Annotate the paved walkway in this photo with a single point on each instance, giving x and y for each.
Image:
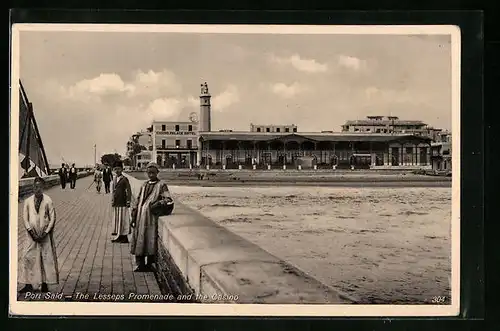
(88, 261)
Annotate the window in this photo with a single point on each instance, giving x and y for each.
(177, 143)
(277, 129)
(409, 150)
(164, 127)
(190, 127)
(177, 127)
(189, 144)
(258, 129)
(163, 143)
(287, 129)
(268, 130)
(294, 129)
(138, 157)
(378, 131)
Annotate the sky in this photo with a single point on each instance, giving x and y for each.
(100, 87)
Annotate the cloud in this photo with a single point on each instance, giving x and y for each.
(351, 62)
(304, 65)
(287, 91)
(390, 96)
(144, 84)
(226, 98)
(154, 84)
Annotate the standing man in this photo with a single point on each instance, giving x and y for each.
(63, 175)
(120, 202)
(153, 201)
(72, 176)
(107, 177)
(39, 260)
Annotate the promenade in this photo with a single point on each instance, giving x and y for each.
(88, 261)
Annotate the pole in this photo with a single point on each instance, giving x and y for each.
(95, 154)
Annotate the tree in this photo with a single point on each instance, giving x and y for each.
(127, 162)
(134, 148)
(110, 159)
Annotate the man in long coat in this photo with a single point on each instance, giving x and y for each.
(38, 261)
(120, 202)
(73, 174)
(107, 177)
(63, 175)
(154, 200)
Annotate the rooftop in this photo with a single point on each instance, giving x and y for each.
(316, 136)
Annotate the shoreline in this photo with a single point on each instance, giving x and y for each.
(333, 180)
(311, 183)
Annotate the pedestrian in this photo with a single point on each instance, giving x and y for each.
(63, 175)
(120, 202)
(73, 174)
(39, 259)
(154, 200)
(98, 178)
(107, 177)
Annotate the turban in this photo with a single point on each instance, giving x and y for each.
(153, 165)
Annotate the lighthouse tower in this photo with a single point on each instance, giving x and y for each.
(205, 124)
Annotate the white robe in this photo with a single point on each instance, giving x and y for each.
(38, 260)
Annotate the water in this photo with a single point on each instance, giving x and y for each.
(382, 245)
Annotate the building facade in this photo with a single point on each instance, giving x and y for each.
(377, 142)
(390, 124)
(320, 150)
(272, 128)
(175, 144)
(441, 153)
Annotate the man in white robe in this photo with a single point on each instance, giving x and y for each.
(38, 261)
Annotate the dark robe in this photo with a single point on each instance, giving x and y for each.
(145, 234)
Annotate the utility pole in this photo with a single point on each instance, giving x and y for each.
(95, 154)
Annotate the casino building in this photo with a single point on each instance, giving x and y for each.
(281, 146)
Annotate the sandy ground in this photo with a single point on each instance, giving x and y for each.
(381, 245)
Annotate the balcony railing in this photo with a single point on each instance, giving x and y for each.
(176, 147)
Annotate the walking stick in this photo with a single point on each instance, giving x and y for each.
(88, 188)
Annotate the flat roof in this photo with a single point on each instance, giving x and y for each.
(316, 136)
(384, 122)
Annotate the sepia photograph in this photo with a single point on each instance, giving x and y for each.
(234, 170)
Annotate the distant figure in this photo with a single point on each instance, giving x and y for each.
(63, 175)
(153, 201)
(107, 177)
(98, 179)
(120, 202)
(39, 259)
(72, 176)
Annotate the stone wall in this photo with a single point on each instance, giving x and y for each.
(26, 184)
(197, 256)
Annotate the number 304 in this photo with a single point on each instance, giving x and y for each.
(438, 299)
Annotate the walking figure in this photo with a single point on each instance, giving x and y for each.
(72, 176)
(120, 202)
(98, 179)
(63, 175)
(107, 177)
(39, 260)
(154, 200)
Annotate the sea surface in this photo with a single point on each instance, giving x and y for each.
(380, 245)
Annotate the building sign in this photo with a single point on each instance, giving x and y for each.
(177, 133)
